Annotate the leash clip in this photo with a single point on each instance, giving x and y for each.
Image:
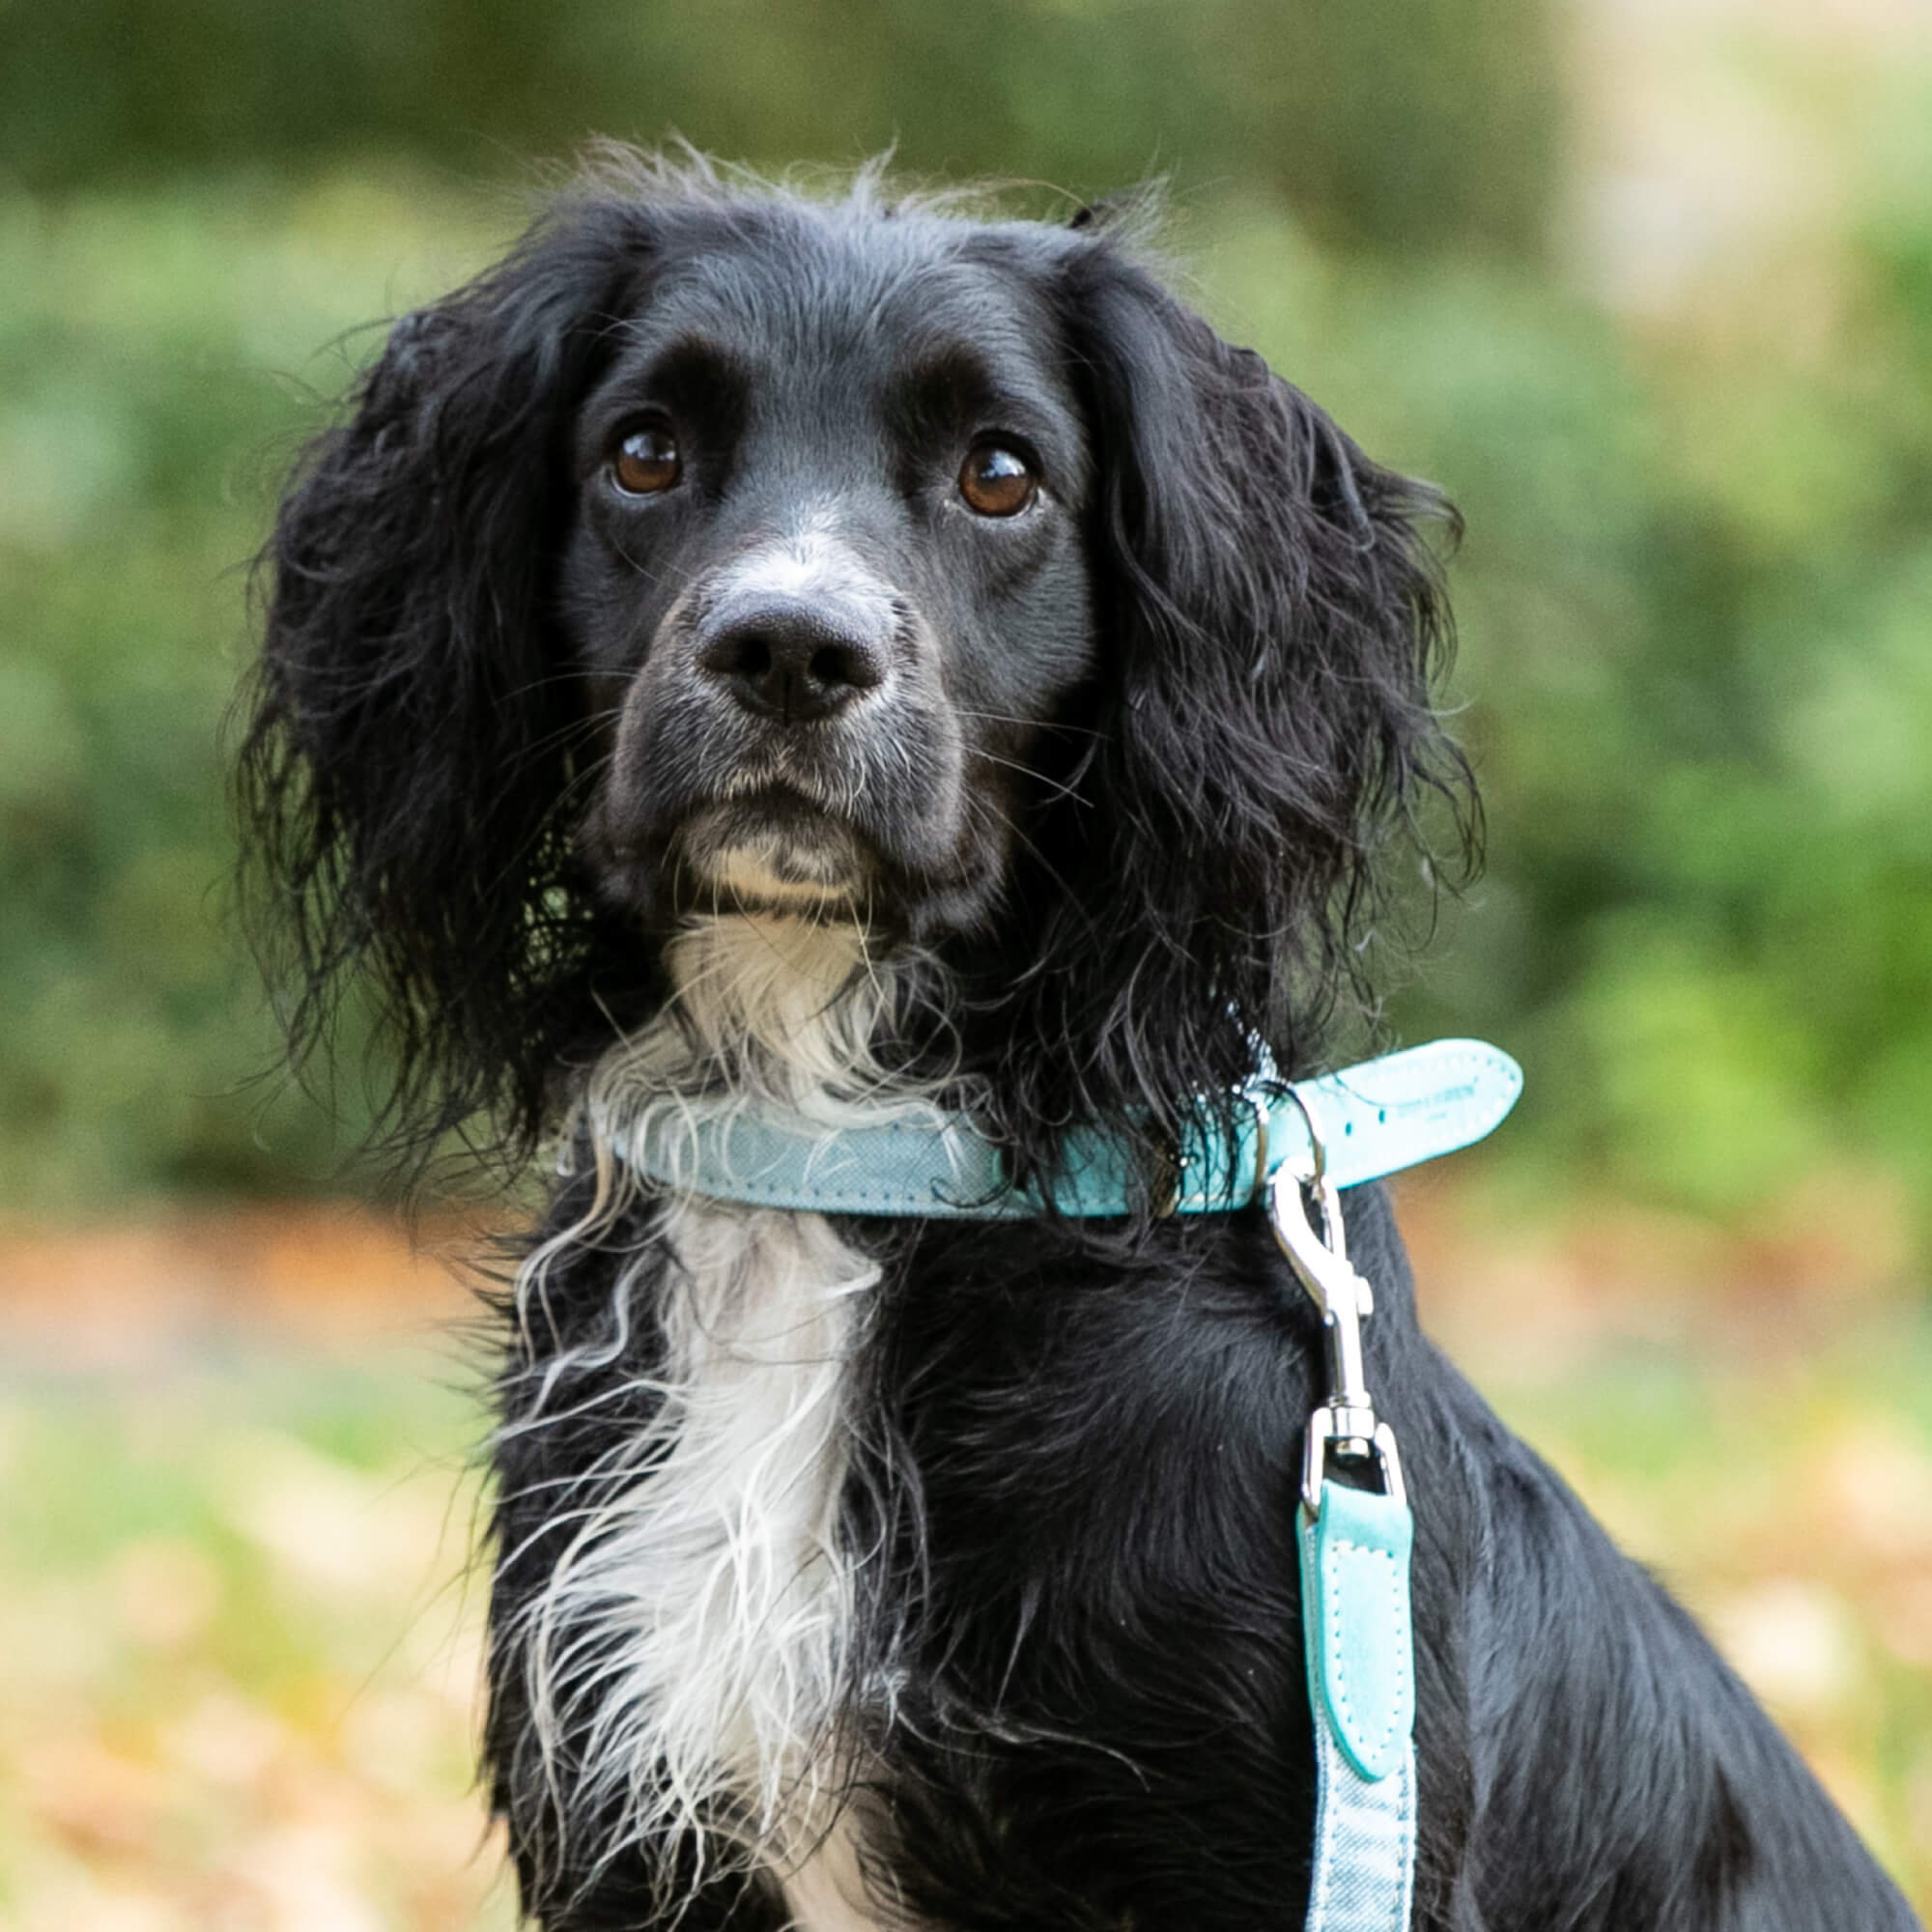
(1346, 1423)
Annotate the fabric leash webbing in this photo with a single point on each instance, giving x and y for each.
(1356, 1632)
(1359, 1650)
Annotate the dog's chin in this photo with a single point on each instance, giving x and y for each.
(775, 854)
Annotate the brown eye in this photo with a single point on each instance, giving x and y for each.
(997, 482)
(646, 462)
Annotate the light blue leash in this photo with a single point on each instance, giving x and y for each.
(1291, 1144)
(1356, 1632)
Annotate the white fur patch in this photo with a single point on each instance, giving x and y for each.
(753, 872)
(827, 1893)
(689, 1660)
(812, 566)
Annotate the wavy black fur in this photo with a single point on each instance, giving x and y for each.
(1073, 1450)
(419, 739)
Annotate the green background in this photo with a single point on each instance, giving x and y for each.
(1696, 669)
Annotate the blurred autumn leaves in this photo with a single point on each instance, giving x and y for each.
(238, 1631)
(238, 1647)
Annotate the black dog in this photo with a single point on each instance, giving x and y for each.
(866, 660)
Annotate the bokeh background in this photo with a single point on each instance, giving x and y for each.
(1646, 284)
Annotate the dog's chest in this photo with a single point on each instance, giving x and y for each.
(691, 1653)
(744, 1597)
(694, 1654)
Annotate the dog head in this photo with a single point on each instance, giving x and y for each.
(825, 576)
(721, 551)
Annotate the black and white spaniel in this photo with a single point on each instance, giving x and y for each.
(869, 661)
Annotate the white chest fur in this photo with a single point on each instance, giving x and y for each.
(692, 1656)
(740, 1599)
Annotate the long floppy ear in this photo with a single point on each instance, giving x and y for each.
(1269, 621)
(415, 719)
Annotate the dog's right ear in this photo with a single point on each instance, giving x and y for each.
(413, 711)
(1262, 735)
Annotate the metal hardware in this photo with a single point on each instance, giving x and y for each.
(1261, 1107)
(1180, 1182)
(1380, 1448)
(1346, 1424)
(1320, 1261)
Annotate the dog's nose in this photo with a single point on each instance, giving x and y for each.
(788, 659)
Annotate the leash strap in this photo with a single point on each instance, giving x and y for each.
(1358, 1635)
(1361, 1689)
(1372, 1119)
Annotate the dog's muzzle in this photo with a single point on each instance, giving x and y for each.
(789, 740)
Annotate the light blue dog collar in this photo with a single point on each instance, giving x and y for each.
(1372, 1119)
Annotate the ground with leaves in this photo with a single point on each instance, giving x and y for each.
(238, 1631)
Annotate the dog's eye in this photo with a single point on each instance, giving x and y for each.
(997, 482)
(646, 460)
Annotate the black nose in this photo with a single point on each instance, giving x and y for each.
(788, 660)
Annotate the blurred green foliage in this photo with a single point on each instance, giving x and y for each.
(1398, 123)
(1696, 606)
(1694, 597)
(160, 355)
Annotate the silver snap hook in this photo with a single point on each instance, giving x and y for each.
(1346, 1422)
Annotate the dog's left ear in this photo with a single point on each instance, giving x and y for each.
(1271, 621)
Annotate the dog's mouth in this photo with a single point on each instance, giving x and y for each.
(774, 849)
(704, 811)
